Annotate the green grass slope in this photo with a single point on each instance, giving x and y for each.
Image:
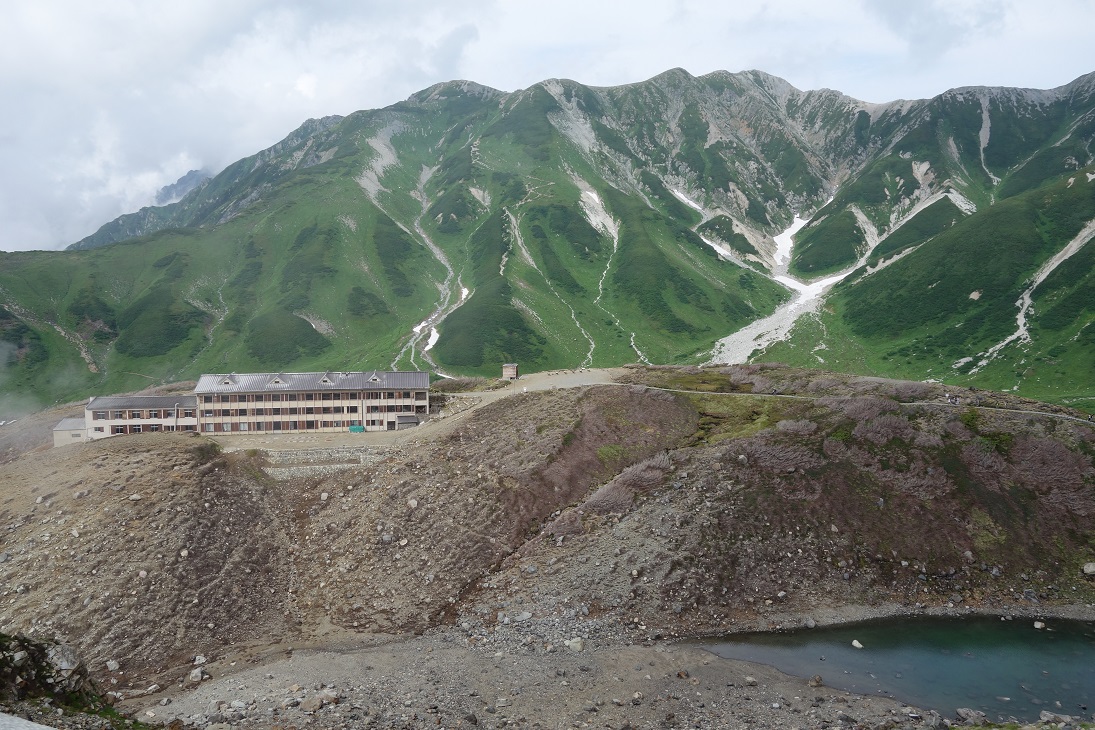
(936, 312)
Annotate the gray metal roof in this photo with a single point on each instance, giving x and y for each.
(276, 382)
(103, 403)
(70, 424)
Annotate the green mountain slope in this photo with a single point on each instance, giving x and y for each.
(567, 226)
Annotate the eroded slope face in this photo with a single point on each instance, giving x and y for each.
(688, 501)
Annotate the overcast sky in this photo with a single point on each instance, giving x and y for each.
(105, 102)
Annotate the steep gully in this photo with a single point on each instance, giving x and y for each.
(808, 295)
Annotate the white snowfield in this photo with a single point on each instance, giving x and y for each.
(756, 336)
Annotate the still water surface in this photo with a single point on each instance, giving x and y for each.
(1006, 669)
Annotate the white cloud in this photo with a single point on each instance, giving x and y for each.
(108, 101)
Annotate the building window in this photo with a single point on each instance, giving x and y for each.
(207, 427)
(118, 430)
(169, 413)
(207, 413)
(136, 428)
(188, 413)
(153, 427)
(99, 416)
(118, 415)
(243, 426)
(226, 411)
(420, 395)
(207, 399)
(98, 429)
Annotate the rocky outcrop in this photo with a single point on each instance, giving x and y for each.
(30, 668)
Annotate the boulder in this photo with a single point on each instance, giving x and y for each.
(1089, 568)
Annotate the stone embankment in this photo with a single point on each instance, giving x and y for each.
(319, 462)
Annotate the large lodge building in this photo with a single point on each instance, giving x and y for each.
(263, 403)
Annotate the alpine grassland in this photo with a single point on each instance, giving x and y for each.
(563, 226)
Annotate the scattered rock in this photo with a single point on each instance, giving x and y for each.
(815, 681)
(1039, 624)
(971, 717)
(1047, 716)
(856, 644)
(197, 675)
(112, 665)
(1089, 568)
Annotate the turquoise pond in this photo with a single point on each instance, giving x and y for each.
(1005, 668)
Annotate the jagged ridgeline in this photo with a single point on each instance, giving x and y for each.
(565, 226)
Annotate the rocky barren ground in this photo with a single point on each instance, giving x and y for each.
(531, 561)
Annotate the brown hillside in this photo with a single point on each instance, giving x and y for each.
(686, 502)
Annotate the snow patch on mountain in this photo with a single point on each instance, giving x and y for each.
(784, 242)
(386, 156)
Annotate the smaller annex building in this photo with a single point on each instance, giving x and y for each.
(122, 414)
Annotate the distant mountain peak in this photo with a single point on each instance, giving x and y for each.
(178, 189)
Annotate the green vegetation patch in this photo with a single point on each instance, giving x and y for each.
(24, 346)
(397, 252)
(156, 324)
(566, 222)
(278, 338)
(936, 218)
(829, 245)
(527, 121)
(487, 330)
(722, 228)
(361, 303)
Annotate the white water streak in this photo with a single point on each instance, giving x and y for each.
(527, 257)
(1025, 300)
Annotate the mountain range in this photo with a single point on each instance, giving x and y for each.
(566, 226)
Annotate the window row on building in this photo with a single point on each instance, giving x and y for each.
(263, 403)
